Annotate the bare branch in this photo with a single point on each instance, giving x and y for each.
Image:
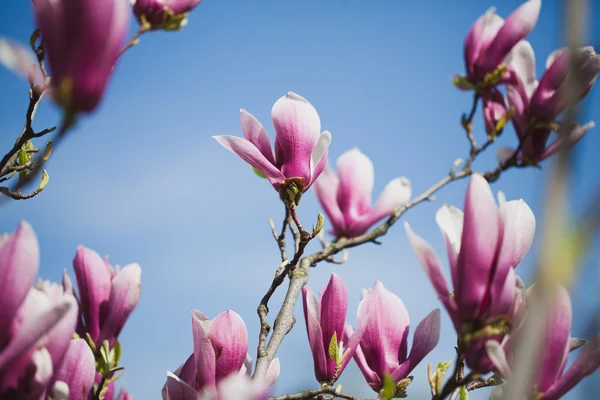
(317, 394)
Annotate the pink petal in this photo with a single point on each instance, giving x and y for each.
(124, 395)
(334, 304)
(256, 134)
(318, 158)
(516, 27)
(395, 193)
(450, 222)
(326, 190)
(252, 155)
(496, 353)
(522, 61)
(555, 340)
(19, 263)
(515, 96)
(19, 60)
(356, 175)
(431, 264)
(425, 338)
(298, 129)
(78, 369)
(585, 364)
(272, 372)
(204, 353)
(523, 228)
(93, 283)
(312, 316)
(124, 297)
(482, 233)
(493, 109)
(352, 341)
(372, 379)
(572, 138)
(176, 389)
(384, 341)
(229, 338)
(479, 37)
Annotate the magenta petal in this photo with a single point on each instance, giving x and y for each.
(326, 190)
(482, 230)
(479, 37)
(229, 338)
(384, 341)
(585, 364)
(176, 389)
(555, 342)
(372, 379)
(78, 369)
(571, 137)
(503, 296)
(19, 263)
(124, 297)
(425, 338)
(187, 371)
(352, 342)
(516, 27)
(124, 395)
(252, 155)
(334, 304)
(450, 222)
(298, 128)
(431, 264)
(94, 278)
(356, 176)
(256, 134)
(204, 354)
(312, 316)
(522, 62)
(494, 109)
(32, 330)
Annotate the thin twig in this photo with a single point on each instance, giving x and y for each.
(144, 27)
(317, 394)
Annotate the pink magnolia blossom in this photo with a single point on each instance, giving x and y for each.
(157, 12)
(124, 395)
(300, 149)
(77, 371)
(383, 346)
(538, 104)
(233, 387)
(552, 380)
(220, 351)
(107, 296)
(36, 323)
(491, 38)
(484, 246)
(82, 39)
(325, 325)
(346, 198)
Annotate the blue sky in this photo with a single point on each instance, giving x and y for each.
(142, 180)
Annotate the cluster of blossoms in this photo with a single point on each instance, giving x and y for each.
(52, 338)
(58, 344)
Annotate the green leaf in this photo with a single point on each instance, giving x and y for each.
(443, 366)
(389, 388)
(333, 348)
(116, 350)
(260, 174)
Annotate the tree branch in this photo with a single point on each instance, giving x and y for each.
(317, 394)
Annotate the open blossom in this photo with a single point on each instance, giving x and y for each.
(107, 297)
(537, 105)
(484, 246)
(300, 148)
(220, 350)
(82, 39)
(383, 346)
(36, 323)
(491, 38)
(234, 387)
(553, 380)
(325, 324)
(77, 372)
(346, 198)
(159, 12)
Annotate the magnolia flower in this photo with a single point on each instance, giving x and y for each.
(107, 296)
(220, 350)
(346, 198)
(382, 348)
(484, 246)
(491, 38)
(325, 321)
(36, 324)
(537, 105)
(300, 150)
(165, 14)
(82, 39)
(124, 395)
(552, 381)
(77, 371)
